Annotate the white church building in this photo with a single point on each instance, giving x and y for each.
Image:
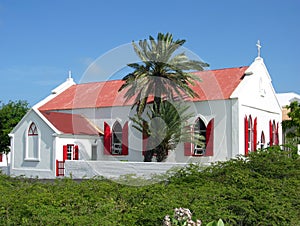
(85, 130)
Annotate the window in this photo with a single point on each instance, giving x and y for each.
(70, 152)
(250, 135)
(32, 151)
(274, 135)
(200, 130)
(262, 140)
(207, 137)
(117, 139)
(32, 131)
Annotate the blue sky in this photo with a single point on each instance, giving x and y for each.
(40, 41)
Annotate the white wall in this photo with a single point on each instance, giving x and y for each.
(220, 110)
(115, 169)
(84, 143)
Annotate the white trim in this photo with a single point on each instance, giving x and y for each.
(36, 158)
(32, 169)
(32, 160)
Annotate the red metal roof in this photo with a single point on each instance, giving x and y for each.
(71, 123)
(215, 85)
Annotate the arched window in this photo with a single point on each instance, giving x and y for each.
(200, 129)
(262, 140)
(32, 142)
(117, 139)
(32, 131)
(207, 138)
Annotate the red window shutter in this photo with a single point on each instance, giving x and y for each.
(125, 139)
(65, 152)
(107, 139)
(76, 152)
(246, 135)
(210, 138)
(277, 135)
(255, 134)
(271, 132)
(1, 157)
(189, 146)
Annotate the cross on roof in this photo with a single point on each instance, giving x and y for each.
(258, 48)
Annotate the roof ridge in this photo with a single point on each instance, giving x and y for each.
(121, 79)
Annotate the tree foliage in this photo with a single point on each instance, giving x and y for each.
(291, 127)
(162, 75)
(262, 189)
(165, 129)
(10, 114)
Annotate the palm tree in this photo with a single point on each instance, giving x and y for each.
(166, 129)
(163, 74)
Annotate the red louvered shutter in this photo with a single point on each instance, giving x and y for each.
(76, 153)
(1, 157)
(255, 134)
(65, 152)
(125, 139)
(246, 135)
(210, 138)
(277, 135)
(271, 132)
(107, 139)
(189, 146)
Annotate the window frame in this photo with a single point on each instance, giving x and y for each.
(32, 142)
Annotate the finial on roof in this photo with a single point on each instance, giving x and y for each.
(70, 74)
(258, 48)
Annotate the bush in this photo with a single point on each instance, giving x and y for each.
(262, 189)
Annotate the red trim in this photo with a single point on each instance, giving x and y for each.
(1, 157)
(60, 168)
(271, 132)
(125, 139)
(189, 146)
(76, 153)
(65, 152)
(210, 138)
(255, 134)
(107, 139)
(246, 135)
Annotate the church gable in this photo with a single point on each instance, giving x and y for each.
(256, 89)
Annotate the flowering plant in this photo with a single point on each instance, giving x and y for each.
(183, 217)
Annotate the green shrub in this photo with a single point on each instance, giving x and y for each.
(262, 189)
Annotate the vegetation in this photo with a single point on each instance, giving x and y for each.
(165, 129)
(163, 74)
(262, 189)
(10, 115)
(291, 127)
